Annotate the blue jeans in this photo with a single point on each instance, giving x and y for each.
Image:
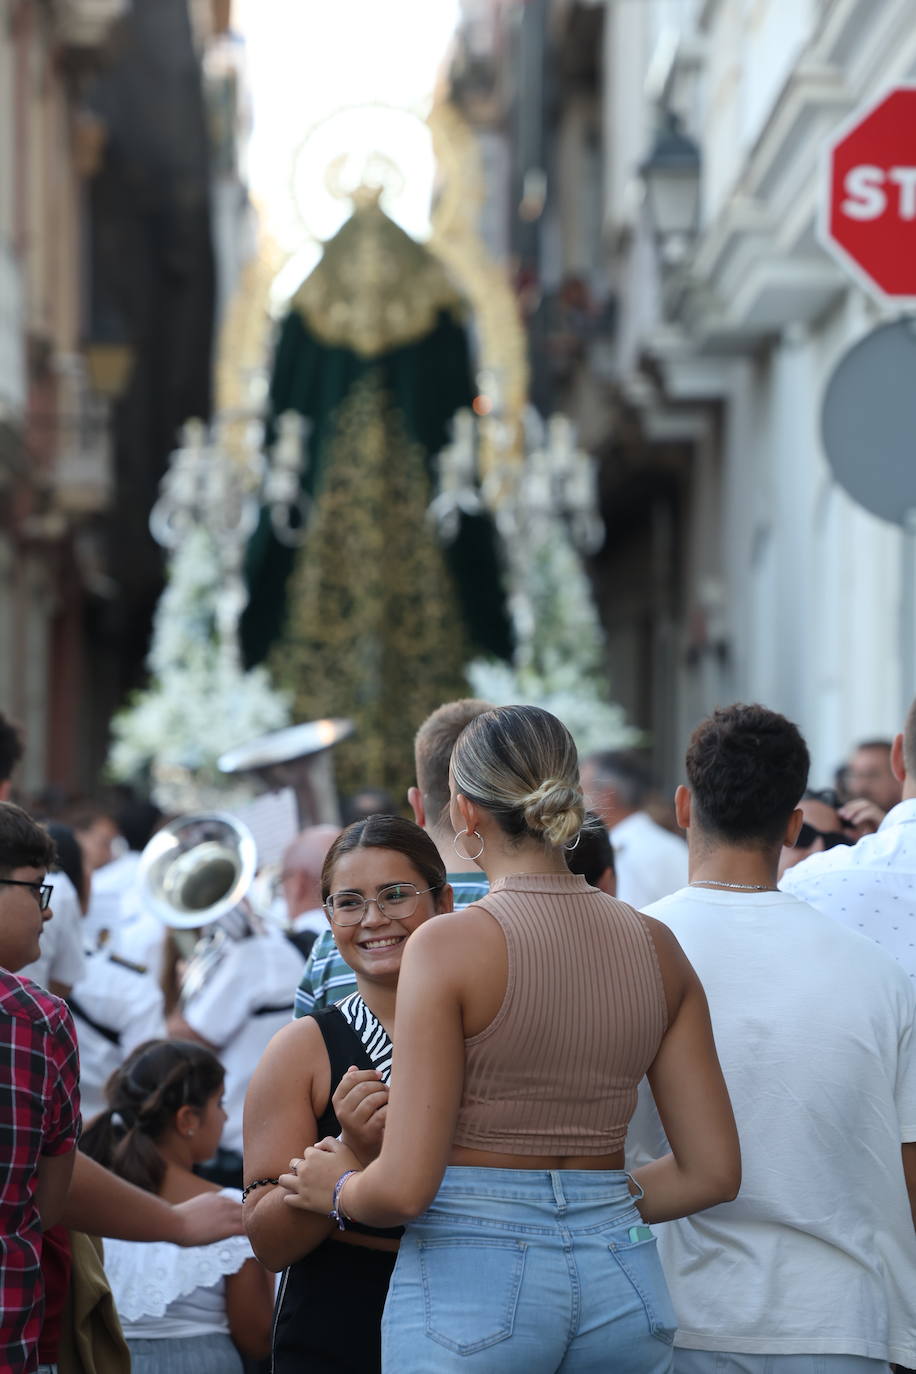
(214, 1354)
(715, 1362)
(523, 1269)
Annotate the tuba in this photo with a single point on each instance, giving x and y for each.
(196, 874)
(299, 757)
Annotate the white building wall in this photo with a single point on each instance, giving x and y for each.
(810, 584)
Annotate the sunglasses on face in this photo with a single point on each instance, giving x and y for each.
(809, 834)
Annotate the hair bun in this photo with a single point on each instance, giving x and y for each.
(555, 810)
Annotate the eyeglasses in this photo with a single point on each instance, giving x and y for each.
(42, 890)
(398, 902)
(809, 833)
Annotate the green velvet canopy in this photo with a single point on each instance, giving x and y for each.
(371, 617)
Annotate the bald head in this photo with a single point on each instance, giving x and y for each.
(302, 864)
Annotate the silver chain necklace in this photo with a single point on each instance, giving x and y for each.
(737, 887)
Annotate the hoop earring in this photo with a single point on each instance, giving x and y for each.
(468, 858)
(575, 842)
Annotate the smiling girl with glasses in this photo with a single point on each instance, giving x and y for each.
(327, 1074)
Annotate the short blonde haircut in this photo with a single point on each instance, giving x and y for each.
(433, 747)
(520, 763)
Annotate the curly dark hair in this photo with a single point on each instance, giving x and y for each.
(747, 767)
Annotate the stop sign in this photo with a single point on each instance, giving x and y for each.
(869, 203)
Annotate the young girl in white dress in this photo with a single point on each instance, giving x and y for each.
(183, 1310)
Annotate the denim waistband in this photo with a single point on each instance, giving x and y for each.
(561, 1187)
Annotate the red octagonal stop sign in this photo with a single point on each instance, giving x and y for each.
(869, 219)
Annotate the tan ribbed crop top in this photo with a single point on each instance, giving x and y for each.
(557, 1069)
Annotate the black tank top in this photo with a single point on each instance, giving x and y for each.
(353, 1035)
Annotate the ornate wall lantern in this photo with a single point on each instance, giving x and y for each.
(671, 177)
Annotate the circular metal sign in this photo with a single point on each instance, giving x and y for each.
(868, 422)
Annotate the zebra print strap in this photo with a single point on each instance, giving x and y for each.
(366, 1025)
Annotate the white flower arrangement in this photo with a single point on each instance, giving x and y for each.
(594, 723)
(560, 657)
(200, 702)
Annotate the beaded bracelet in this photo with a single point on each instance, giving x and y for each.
(337, 1212)
(258, 1183)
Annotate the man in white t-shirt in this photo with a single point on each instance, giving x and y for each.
(813, 1266)
(650, 861)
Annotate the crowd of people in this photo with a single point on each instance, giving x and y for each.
(648, 1102)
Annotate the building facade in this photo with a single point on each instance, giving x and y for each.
(735, 566)
(110, 112)
(787, 591)
(54, 452)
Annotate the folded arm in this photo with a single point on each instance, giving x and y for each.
(279, 1123)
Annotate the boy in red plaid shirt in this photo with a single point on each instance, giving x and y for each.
(39, 1092)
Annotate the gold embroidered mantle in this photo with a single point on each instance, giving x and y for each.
(374, 631)
(375, 288)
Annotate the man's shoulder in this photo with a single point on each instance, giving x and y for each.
(113, 978)
(468, 888)
(325, 947)
(891, 850)
(682, 903)
(22, 999)
(841, 859)
(643, 833)
(789, 926)
(708, 909)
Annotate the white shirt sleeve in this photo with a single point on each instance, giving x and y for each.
(69, 963)
(145, 1017)
(222, 1006)
(61, 959)
(905, 1092)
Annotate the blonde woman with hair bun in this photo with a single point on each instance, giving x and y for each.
(525, 1024)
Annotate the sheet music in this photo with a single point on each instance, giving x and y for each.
(273, 819)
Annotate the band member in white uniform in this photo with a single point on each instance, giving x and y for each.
(244, 1000)
(116, 1006)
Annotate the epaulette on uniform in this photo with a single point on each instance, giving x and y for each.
(127, 963)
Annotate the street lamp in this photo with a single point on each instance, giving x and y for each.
(671, 177)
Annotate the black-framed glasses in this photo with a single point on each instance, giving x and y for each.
(809, 833)
(42, 890)
(398, 902)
